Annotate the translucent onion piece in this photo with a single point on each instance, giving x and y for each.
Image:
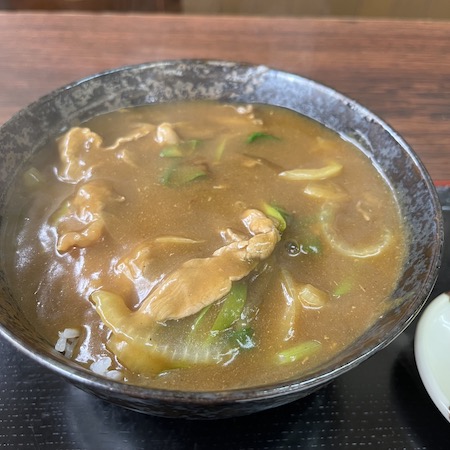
(321, 173)
(325, 190)
(220, 149)
(145, 347)
(312, 297)
(166, 134)
(367, 251)
(287, 324)
(159, 357)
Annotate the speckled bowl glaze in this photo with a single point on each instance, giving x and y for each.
(193, 79)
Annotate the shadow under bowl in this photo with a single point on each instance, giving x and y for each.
(167, 81)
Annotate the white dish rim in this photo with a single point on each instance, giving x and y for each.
(439, 306)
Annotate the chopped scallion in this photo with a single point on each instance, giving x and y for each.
(311, 245)
(261, 135)
(231, 308)
(199, 319)
(181, 174)
(343, 288)
(278, 214)
(193, 143)
(179, 150)
(244, 337)
(172, 151)
(298, 352)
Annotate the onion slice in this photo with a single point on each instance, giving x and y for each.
(345, 248)
(322, 173)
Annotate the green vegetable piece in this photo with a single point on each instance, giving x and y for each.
(231, 308)
(199, 319)
(261, 135)
(173, 151)
(179, 150)
(193, 143)
(305, 237)
(299, 352)
(278, 214)
(311, 245)
(181, 174)
(344, 288)
(244, 337)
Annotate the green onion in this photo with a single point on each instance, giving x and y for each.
(173, 151)
(244, 337)
(343, 288)
(181, 174)
(193, 143)
(276, 213)
(261, 135)
(299, 352)
(305, 235)
(179, 150)
(231, 308)
(199, 319)
(311, 245)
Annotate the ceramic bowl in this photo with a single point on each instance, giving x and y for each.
(195, 79)
(432, 351)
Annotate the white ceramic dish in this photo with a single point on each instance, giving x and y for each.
(432, 351)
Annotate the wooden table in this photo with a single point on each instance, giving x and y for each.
(399, 70)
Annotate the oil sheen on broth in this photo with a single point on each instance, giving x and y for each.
(204, 246)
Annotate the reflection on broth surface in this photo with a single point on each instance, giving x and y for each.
(204, 246)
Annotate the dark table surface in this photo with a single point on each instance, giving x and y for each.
(400, 70)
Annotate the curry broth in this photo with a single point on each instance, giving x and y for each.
(178, 179)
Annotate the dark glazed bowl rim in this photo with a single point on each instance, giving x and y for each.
(92, 382)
